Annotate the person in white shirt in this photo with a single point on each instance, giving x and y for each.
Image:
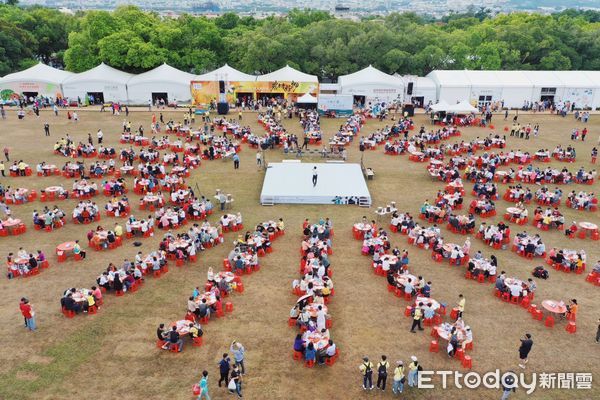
(321, 318)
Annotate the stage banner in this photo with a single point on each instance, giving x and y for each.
(203, 92)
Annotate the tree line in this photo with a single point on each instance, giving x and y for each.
(312, 41)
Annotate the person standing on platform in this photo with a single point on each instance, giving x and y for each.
(315, 176)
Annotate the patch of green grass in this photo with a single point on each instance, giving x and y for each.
(67, 356)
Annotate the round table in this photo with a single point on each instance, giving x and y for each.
(588, 226)
(402, 279)
(11, 222)
(554, 306)
(183, 326)
(53, 189)
(65, 247)
(318, 340)
(435, 161)
(363, 227)
(514, 210)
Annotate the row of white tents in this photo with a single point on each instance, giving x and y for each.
(513, 88)
(115, 85)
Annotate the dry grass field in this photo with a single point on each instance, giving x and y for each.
(112, 354)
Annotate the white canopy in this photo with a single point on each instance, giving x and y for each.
(225, 73)
(109, 81)
(463, 107)
(287, 74)
(163, 79)
(307, 99)
(440, 106)
(40, 78)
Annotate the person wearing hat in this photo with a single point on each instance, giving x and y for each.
(413, 371)
(367, 370)
(399, 378)
(382, 368)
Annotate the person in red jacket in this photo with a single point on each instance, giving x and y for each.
(28, 314)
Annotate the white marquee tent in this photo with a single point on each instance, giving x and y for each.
(423, 89)
(287, 74)
(225, 73)
(372, 83)
(163, 82)
(464, 107)
(40, 79)
(517, 87)
(102, 81)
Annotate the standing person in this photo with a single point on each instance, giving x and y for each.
(526, 345)
(418, 315)
(598, 332)
(6, 151)
(47, 129)
(236, 161)
(235, 384)
(367, 370)
(594, 155)
(2, 111)
(399, 379)
(258, 158)
(99, 135)
(505, 114)
(413, 371)
(28, 314)
(204, 386)
(224, 367)
(2, 168)
(461, 305)
(238, 355)
(315, 176)
(583, 134)
(90, 139)
(382, 368)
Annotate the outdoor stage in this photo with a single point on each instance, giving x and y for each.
(291, 183)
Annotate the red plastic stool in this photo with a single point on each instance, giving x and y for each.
(538, 315)
(434, 347)
(309, 363)
(407, 296)
(228, 307)
(469, 346)
(92, 310)
(197, 341)
(460, 354)
(291, 322)
(119, 293)
(407, 311)
(549, 321)
(467, 362)
(571, 327)
(298, 355)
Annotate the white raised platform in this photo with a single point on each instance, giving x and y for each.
(291, 183)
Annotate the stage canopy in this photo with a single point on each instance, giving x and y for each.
(40, 79)
(103, 80)
(225, 73)
(440, 106)
(162, 82)
(287, 74)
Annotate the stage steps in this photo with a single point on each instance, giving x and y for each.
(267, 201)
(364, 202)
